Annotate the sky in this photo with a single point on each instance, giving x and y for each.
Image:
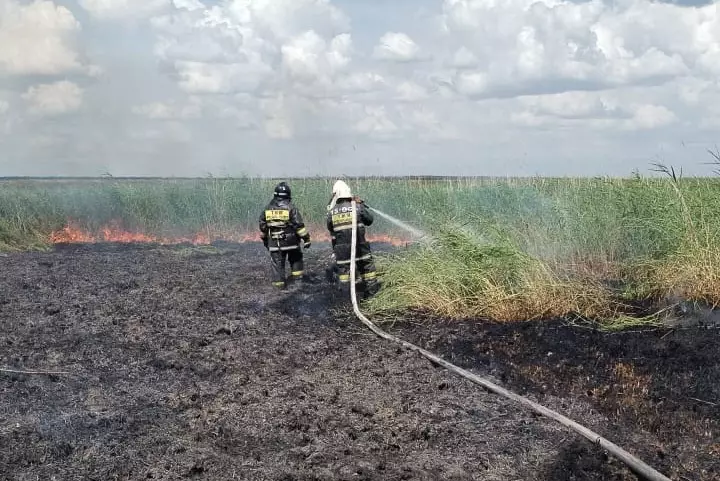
(357, 87)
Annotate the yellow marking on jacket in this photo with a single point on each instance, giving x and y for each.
(283, 215)
(342, 218)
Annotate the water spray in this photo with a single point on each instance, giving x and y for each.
(403, 225)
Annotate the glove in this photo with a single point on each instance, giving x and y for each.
(307, 244)
(265, 241)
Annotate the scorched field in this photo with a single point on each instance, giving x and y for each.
(176, 359)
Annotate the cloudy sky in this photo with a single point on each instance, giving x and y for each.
(329, 87)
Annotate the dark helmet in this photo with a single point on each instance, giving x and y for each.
(282, 190)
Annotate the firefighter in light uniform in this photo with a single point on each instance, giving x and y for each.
(339, 223)
(282, 228)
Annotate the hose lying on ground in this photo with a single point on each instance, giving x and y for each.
(636, 465)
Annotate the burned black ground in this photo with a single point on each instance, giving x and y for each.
(657, 390)
(184, 363)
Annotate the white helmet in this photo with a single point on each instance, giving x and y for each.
(340, 191)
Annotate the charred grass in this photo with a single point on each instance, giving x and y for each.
(188, 365)
(185, 364)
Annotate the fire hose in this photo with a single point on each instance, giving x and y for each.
(640, 468)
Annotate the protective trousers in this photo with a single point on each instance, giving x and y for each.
(365, 271)
(294, 257)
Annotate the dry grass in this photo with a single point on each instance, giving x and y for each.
(456, 277)
(632, 389)
(690, 274)
(538, 294)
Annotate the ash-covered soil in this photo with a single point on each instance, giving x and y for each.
(656, 391)
(184, 363)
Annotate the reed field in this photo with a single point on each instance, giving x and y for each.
(504, 249)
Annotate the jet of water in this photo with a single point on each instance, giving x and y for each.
(399, 223)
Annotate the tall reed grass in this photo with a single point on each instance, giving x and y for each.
(503, 248)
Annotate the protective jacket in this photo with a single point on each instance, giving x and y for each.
(282, 226)
(339, 223)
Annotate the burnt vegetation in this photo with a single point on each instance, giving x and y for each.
(184, 363)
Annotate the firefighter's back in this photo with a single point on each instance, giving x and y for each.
(278, 219)
(340, 218)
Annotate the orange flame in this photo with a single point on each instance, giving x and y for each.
(73, 234)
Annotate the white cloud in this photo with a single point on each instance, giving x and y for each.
(174, 132)
(409, 91)
(169, 111)
(592, 109)
(6, 117)
(309, 58)
(242, 46)
(218, 78)
(426, 125)
(692, 90)
(278, 121)
(283, 51)
(576, 105)
(54, 99)
(361, 82)
(651, 116)
(284, 19)
(527, 46)
(472, 83)
(37, 38)
(398, 47)
(376, 123)
(427, 81)
(463, 58)
(200, 35)
(124, 9)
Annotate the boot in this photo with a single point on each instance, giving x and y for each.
(371, 288)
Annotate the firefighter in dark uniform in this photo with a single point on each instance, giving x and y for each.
(282, 228)
(339, 223)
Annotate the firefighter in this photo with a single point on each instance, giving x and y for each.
(282, 228)
(339, 223)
